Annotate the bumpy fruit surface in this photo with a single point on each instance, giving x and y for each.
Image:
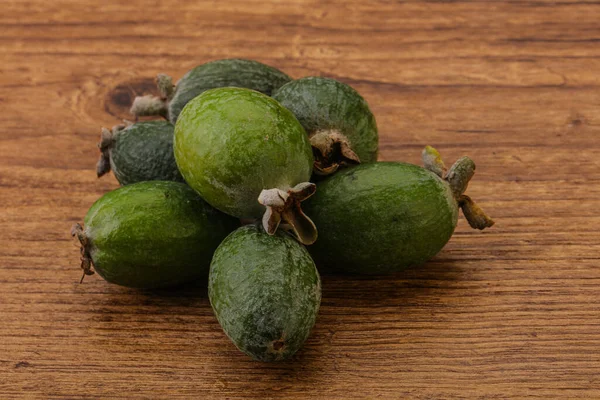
(220, 73)
(337, 119)
(247, 156)
(139, 152)
(151, 234)
(265, 292)
(383, 217)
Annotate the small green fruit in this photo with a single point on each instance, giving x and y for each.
(151, 234)
(265, 292)
(337, 119)
(139, 152)
(220, 73)
(243, 151)
(383, 217)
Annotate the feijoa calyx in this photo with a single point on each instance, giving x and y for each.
(265, 291)
(383, 217)
(151, 234)
(220, 73)
(341, 127)
(247, 156)
(137, 152)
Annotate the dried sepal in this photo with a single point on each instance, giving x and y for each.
(165, 85)
(458, 177)
(107, 140)
(331, 149)
(149, 105)
(476, 217)
(274, 200)
(432, 160)
(283, 209)
(86, 260)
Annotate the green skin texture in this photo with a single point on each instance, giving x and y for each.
(232, 143)
(380, 218)
(144, 152)
(323, 103)
(222, 73)
(154, 234)
(264, 290)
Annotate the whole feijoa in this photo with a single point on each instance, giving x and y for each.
(242, 73)
(265, 292)
(142, 151)
(151, 234)
(383, 217)
(242, 151)
(341, 127)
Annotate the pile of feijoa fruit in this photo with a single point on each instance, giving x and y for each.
(233, 183)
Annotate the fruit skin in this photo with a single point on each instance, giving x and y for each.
(141, 152)
(231, 143)
(324, 104)
(381, 218)
(265, 291)
(153, 234)
(222, 73)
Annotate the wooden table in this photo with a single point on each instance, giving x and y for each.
(513, 311)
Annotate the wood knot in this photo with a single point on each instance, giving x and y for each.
(119, 99)
(577, 120)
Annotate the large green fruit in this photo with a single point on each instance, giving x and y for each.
(383, 217)
(151, 234)
(220, 73)
(337, 119)
(233, 145)
(139, 152)
(265, 292)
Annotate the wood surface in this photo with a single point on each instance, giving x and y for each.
(511, 312)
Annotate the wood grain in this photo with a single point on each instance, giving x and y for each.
(511, 312)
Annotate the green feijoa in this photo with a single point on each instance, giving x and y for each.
(243, 151)
(382, 217)
(337, 119)
(220, 73)
(265, 292)
(151, 234)
(139, 152)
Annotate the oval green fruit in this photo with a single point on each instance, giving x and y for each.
(139, 152)
(220, 73)
(383, 217)
(341, 127)
(265, 292)
(242, 151)
(151, 234)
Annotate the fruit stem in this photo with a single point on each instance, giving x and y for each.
(149, 105)
(331, 149)
(283, 208)
(86, 259)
